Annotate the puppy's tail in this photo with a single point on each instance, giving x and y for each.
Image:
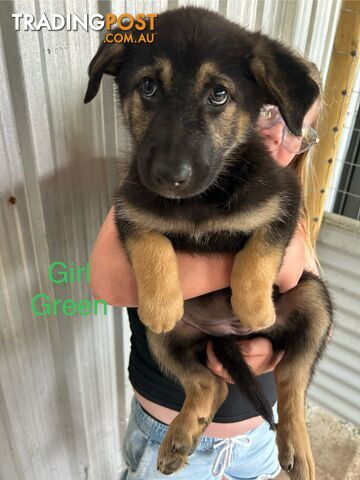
(228, 353)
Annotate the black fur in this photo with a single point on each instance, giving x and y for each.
(228, 352)
(229, 179)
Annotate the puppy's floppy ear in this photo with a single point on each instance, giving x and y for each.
(285, 79)
(108, 59)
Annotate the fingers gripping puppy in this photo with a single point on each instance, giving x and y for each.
(201, 180)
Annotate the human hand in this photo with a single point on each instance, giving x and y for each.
(257, 353)
(294, 262)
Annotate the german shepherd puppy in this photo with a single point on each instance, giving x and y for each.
(201, 180)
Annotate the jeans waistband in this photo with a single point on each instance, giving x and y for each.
(156, 430)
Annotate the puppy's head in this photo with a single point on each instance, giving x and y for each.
(194, 94)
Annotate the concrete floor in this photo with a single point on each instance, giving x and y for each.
(336, 447)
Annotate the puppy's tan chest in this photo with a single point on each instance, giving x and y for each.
(244, 221)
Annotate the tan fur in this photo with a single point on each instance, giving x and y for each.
(165, 67)
(125, 106)
(255, 268)
(111, 50)
(135, 114)
(292, 436)
(244, 221)
(209, 71)
(222, 127)
(205, 72)
(162, 67)
(160, 297)
(139, 118)
(242, 122)
(252, 278)
(258, 68)
(204, 394)
(292, 378)
(265, 77)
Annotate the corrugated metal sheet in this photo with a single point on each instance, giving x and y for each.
(337, 382)
(63, 394)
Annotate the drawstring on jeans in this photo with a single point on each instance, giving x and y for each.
(223, 458)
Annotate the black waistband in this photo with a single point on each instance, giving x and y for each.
(146, 378)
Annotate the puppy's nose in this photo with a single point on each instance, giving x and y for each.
(177, 176)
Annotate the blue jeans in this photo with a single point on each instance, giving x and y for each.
(250, 456)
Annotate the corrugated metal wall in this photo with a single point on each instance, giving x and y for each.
(63, 393)
(337, 381)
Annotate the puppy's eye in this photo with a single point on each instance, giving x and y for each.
(218, 96)
(148, 87)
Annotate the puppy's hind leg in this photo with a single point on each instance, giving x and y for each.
(307, 315)
(204, 395)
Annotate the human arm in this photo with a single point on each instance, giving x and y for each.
(295, 261)
(112, 278)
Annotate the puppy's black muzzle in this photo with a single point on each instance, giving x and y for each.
(174, 167)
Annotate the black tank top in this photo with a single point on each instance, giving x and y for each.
(147, 379)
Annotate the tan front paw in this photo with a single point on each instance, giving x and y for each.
(295, 454)
(162, 313)
(256, 313)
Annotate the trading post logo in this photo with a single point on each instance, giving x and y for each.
(126, 22)
(120, 28)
